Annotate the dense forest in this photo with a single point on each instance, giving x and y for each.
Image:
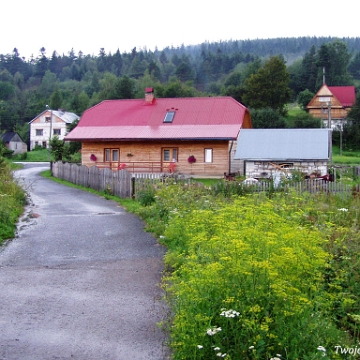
(241, 69)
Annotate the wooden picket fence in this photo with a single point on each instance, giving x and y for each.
(124, 184)
(118, 183)
(311, 186)
(121, 183)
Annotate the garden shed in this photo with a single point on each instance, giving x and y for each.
(14, 142)
(271, 152)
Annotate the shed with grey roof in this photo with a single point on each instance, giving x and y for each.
(265, 151)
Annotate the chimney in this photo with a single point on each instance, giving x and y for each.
(149, 95)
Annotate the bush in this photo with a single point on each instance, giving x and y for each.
(146, 196)
(12, 201)
(267, 119)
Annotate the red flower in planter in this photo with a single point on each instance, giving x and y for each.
(191, 159)
(92, 157)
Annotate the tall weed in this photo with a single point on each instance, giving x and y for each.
(12, 201)
(257, 276)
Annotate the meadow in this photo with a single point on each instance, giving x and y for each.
(258, 276)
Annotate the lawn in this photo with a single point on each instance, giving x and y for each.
(38, 155)
(346, 158)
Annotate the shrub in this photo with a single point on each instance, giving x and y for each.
(12, 201)
(146, 196)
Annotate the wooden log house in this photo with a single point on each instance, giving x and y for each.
(194, 136)
(332, 104)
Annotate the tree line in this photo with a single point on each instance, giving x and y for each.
(264, 75)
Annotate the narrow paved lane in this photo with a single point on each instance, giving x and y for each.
(80, 281)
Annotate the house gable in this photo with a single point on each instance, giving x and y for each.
(337, 99)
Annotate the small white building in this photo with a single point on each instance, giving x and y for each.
(275, 152)
(48, 124)
(14, 142)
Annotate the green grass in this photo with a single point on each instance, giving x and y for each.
(293, 111)
(207, 181)
(39, 155)
(12, 201)
(347, 157)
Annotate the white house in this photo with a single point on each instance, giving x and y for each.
(48, 124)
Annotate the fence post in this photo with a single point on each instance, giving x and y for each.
(133, 187)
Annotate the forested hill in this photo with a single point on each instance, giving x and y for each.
(77, 81)
(290, 48)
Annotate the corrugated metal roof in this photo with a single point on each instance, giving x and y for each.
(283, 144)
(345, 94)
(66, 116)
(207, 117)
(154, 132)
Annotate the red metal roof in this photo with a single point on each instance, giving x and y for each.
(345, 94)
(195, 118)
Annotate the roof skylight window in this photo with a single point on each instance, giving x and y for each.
(169, 117)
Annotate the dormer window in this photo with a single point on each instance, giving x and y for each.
(169, 117)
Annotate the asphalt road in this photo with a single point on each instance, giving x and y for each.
(80, 280)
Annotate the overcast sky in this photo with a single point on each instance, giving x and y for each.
(89, 26)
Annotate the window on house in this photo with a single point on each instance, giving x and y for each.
(44, 144)
(111, 155)
(57, 131)
(208, 155)
(47, 118)
(170, 154)
(169, 117)
(39, 132)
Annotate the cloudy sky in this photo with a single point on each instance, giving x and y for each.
(89, 26)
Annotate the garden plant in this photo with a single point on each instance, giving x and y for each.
(271, 275)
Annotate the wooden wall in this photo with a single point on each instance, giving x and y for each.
(336, 113)
(151, 151)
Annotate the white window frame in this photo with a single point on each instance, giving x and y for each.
(208, 155)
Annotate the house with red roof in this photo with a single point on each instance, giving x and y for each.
(332, 104)
(188, 135)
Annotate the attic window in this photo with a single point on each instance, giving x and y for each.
(169, 117)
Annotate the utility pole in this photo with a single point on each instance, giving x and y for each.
(48, 108)
(330, 131)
